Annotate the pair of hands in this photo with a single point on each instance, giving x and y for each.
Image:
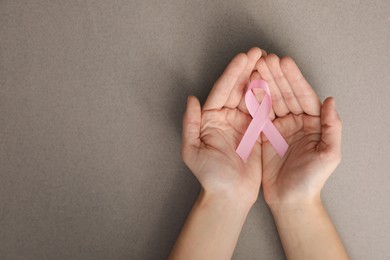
(313, 131)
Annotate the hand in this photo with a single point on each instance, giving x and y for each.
(211, 135)
(312, 130)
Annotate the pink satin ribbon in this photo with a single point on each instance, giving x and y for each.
(260, 122)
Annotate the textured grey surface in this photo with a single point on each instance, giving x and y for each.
(91, 98)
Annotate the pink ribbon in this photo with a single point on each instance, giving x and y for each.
(260, 122)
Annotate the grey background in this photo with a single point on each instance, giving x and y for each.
(91, 99)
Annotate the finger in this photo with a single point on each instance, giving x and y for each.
(254, 55)
(307, 98)
(220, 92)
(278, 103)
(242, 106)
(259, 96)
(191, 125)
(287, 126)
(291, 101)
(331, 128)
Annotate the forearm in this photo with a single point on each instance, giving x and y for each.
(307, 232)
(212, 228)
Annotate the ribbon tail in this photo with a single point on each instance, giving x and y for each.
(275, 138)
(249, 139)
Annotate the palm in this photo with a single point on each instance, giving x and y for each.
(293, 173)
(220, 133)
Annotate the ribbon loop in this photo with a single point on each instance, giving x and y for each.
(260, 122)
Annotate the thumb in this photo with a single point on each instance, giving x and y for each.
(331, 127)
(191, 125)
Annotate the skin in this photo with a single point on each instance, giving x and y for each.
(292, 185)
(230, 186)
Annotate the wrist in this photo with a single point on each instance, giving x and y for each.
(226, 201)
(306, 205)
(295, 216)
(289, 200)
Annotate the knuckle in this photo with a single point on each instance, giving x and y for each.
(286, 62)
(241, 57)
(338, 125)
(288, 95)
(272, 57)
(254, 49)
(272, 60)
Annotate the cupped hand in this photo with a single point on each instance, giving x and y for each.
(312, 130)
(211, 135)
